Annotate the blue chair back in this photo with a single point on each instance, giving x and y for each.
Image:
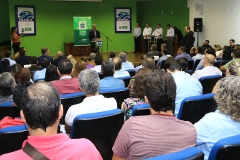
(209, 82)
(7, 109)
(192, 153)
(68, 100)
(101, 128)
(131, 72)
(11, 138)
(226, 149)
(119, 94)
(141, 109)
(193, 108)
(126, 80)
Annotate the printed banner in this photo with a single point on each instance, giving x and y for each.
(26, 20)
(123, 20)
(82, 26)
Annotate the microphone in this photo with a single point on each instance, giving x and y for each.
(22, 32)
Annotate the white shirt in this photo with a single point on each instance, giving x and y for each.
(12, 62)
(158, 32)
(147, 32)
(198, 56)
(97, 68)
(121, 73)
(127, 65)
(137, 31)
(207, 71)
(170, 32)
(91, 104)
(219, 53)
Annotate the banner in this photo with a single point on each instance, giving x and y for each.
(82, 26)
(123, 20)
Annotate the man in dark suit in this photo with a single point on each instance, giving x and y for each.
(23, 59)
(45, 52)
(34, 66)
(60, 57)
(178, 35)
(94, 33)
(187, 39)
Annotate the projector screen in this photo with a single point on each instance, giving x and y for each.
(78, 0)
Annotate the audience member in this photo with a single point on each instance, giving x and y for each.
(45, 52)
(225, 121)
(207, 51)
(79, 67)
(164, 57)
(6, 65)
(236, 58)
(109, 82)
(8, 55)
(40, 75)
(34, 66)
(1, 66)
(51, 74)
(183, 62)
(22, 75)
(163, 46)
(153, 51)
(86, 60)
(199, 54)
(7, 83)
(92, 57)
(23, 59)
(42, 111)
(126, 65)
(144, 136)
(66, 84)
(17, 95)
(218, 50)
(89, 83)
(192, 51)
(231, 45)
(15, 68)
(119, 73)
(233, 69)
(187, 86)
(60, 57)
(112, 55)
(206, 45)
(182, 53)
(98, 61)
(136, 69)
(71, 58)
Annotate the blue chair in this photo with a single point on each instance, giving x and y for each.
(141, 109)
(192, 153)
(126, 80)
(208, 83)
(68, 100)
(131, 72)
(101, 128)
(193, 108)
(12, 138)
(226, 149)
(8, 109)
(119, 94)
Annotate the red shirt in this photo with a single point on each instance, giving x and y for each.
(16, 36)
(9, 122)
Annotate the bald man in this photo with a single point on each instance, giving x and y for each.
(94, 33)
(60, 56)
(209, 68)
(119, 73)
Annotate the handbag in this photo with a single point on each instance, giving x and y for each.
(33, 152)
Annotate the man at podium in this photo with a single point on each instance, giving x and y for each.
(92, 35)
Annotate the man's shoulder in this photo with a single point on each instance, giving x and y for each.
(12, 156)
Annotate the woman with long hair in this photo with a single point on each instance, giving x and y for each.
(79, 66)
(15, 39)
(51, 74)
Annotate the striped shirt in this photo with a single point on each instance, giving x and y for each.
(148, 136)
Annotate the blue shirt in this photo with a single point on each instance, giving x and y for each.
(213, 127)
(184, 55)
(200, 65)
(12, 62)
(40, 74)
(138, 68)
(121, 74)
(187, 86)
(163, 58)
(111, 83)
(127, 65)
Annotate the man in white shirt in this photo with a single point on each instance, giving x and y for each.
(146, 34)
(157, 33)
(89, 83)
(137, 38)
(169, 36)
(126, 65)
(119, 73)
(8, 55)
(209, 69)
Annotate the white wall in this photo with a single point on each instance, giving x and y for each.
(221, 20)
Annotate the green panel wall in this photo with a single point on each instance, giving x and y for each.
(4, 24)
(54, 22)
(151, 11)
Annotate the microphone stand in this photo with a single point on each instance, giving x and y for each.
(107, 40)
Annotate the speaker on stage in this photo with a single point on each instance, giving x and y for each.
(198, 24)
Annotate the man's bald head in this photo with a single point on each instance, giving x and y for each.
(209, 59)
(59, 53)
(118, 63)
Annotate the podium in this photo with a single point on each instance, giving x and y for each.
(69, 48)
(97, 42)
(152, 40)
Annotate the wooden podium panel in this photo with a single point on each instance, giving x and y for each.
(69, 48)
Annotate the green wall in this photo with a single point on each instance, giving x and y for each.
(151, 11)
(54, 22)
(4, 25)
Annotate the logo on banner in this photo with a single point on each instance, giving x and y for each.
(26, 16)
(123, 15)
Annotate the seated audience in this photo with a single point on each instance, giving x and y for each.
(23, 59)
(45, 52)
(7, 83)
(41, 74)
(192, 51)
(79, 67)
(231, 45)
(145, 136)
(126, 65)
(15, 68)
(66, 84)
(209, 68)
(98, 61)
(109, 82)
(42, 111)
(138, 96)
(34, 66)
(187, 86)
(199, 54)
(225, 121)
(218, 50)
(153, 51)
(182, 53)
(6, 65)
(51, 74)
(119, 73)
(164, 57)
(236, 58)
(17, 95)
(8, 55)
(71, 58)
(85, 59)
(207, 51)
(206, 45)
(94, 102)
(227, 53)
(183, 62)
(23, 75)
(233, 69)
(163, 46)
(112, 55)
(136, 69)
(92, 57)
(60, 57)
